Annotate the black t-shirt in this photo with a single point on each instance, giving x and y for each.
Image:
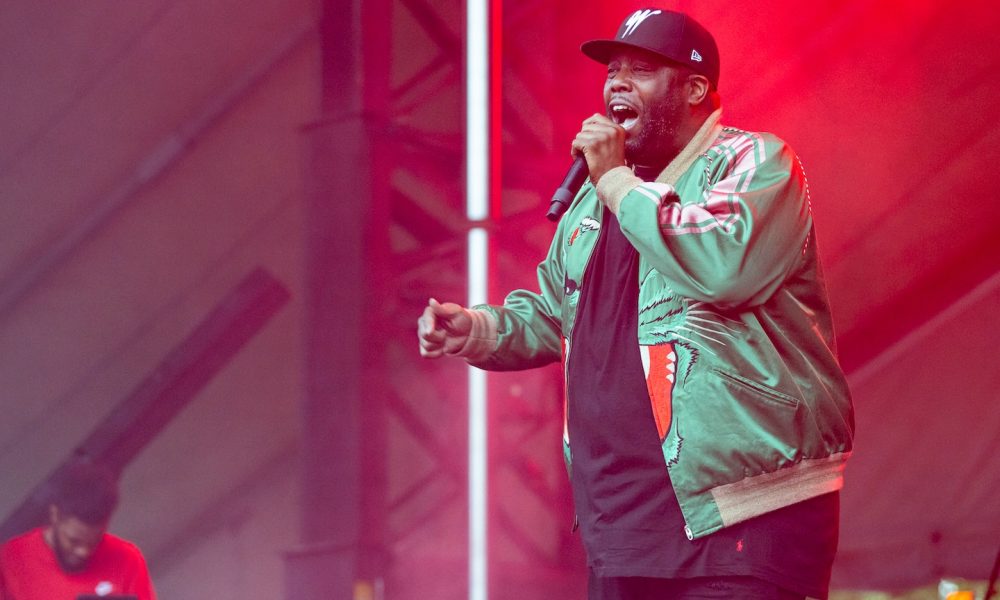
(629, 517)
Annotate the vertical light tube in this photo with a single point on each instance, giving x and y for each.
(477, 179)
(477, 107)
(478, 438)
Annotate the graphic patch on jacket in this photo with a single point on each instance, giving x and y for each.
(587, 224)
(678, 331)
(660, 365)
(570, 286)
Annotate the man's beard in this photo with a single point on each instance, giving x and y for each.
(68, 567)
(655, 143)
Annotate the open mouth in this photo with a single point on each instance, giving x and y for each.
(624, 115)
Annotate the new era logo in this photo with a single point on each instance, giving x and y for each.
(636, 19)
(695, 56)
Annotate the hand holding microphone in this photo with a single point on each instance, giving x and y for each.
(599, 147)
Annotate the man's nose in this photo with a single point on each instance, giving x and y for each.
(622, 80)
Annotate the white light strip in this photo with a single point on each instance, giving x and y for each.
(478, 531)
(478, 438)
(477, 110)
(477, 181)
(478, 252)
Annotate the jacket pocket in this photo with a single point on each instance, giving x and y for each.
(766, 393)
(747, 428)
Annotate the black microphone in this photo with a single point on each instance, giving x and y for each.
(577, 174)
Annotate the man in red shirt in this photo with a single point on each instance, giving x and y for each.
(74, 555)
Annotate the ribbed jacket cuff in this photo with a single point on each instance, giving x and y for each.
(613, 186)
(482, 340)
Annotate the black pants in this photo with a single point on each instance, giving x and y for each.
(697, 588)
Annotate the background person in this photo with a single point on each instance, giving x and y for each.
(74, 554)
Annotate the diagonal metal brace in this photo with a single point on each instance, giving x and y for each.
(142, 415)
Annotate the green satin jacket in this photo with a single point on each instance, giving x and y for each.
(735, 332)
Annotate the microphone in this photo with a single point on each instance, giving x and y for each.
(577, 174)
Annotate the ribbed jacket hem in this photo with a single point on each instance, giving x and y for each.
(761, 494)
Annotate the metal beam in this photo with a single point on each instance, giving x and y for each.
(60, 248)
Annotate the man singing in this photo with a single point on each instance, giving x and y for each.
(708, 421)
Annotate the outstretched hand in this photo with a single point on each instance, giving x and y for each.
(443, 329)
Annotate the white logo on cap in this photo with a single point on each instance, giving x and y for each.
(636, 19)
(695, 56)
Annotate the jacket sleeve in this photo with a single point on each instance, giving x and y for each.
(529, 324)
(736, 244)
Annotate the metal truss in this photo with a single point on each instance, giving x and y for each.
(531, 542)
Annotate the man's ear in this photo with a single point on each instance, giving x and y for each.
(698, 89)
(53, 514)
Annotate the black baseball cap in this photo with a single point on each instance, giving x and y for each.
(666, 33)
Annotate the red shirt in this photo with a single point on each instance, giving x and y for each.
(30, 571)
